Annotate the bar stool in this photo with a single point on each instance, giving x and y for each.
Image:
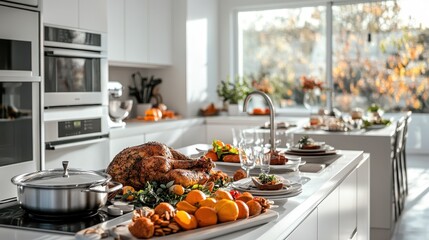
(403, 155)
(396, 173)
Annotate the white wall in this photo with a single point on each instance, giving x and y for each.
(201, 54)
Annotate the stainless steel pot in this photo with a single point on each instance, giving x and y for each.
(64, 191)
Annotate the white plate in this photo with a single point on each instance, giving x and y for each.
(247, 185)
(199, 233)
(282, 197)
(321, 149)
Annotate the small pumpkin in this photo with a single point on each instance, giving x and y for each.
(153, 114)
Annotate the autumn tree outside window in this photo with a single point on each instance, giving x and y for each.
(380, 52)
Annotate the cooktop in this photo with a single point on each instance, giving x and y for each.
(13, 216)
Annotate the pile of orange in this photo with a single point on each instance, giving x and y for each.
(198, 210)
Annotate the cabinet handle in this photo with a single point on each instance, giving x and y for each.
(353, 234)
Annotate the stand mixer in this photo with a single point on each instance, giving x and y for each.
(118, 110)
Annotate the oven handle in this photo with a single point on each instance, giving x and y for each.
(51, 146)
(72, 53)
(19, 79)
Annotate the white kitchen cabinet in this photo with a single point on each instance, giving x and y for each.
(85, 14)
(116, 30)
(136, 31)
(347, 206)
(140, 32)
(119, 144)
(61, 12)
(327, 220)
(307, 229)
(93, 15)
(171, 138)
(160, 31)
(363, 206)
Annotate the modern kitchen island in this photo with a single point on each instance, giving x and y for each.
(334, 204)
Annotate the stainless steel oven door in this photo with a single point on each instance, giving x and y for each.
(74, 77)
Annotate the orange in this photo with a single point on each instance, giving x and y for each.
(245, 197)
(195, 196)
(227, 210)
(208, 202)
(163, 207)
(255, 207)
(128, 190)
(222, 194)
(243, 209)
(187, 207)
(177, 189)
(206, 216)
(185, 220)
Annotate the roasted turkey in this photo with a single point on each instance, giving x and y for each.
(155, 161)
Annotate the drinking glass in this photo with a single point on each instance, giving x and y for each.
(265, 159)
(247, 156)
(236, 136)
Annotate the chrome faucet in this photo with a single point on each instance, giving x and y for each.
(272, 115)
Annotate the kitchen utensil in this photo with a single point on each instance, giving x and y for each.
(64, 191)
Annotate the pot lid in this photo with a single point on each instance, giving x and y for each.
(61, 178)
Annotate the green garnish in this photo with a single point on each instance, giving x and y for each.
(305, 140)
(265, 178)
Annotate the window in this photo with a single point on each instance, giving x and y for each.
(276, 47)
(380, 53)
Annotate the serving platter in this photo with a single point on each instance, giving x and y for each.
(120, 231)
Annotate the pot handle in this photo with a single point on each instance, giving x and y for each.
(116, 186)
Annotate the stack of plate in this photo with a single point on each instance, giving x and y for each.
(289, 190)
(322, 151)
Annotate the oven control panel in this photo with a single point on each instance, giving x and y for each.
(79, 127)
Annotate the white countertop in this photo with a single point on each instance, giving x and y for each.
(291, 212)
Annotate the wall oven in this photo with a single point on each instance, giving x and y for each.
(76, 67)
(20, 91)
(75, 98)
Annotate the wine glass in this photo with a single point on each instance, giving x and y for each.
(247, 156)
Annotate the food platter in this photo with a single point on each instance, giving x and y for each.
(290, 189)
(121, 229)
